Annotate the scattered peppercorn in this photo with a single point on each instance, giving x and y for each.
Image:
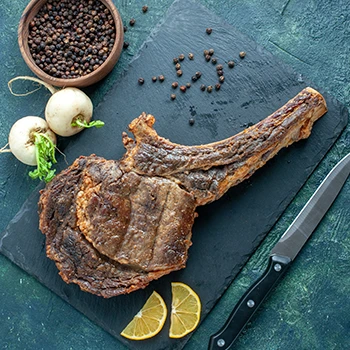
(125, 28)
(220, 72)
(206, 52)
(194, 78)
(217, 86)
(68, 39)
(183, 88)
(198, 74)
(209, 88)
(242, 54)
(141, 81)
(161, 78)
(154, 79)
(211, 52)
(214, 60)
(179, 73)
(175, 84)
(207, 58)
(231, 64)
(125, 45)
(191, 56)
(132, 21)
(221, 79)
(181, 57)
(219, 67)
(144, 9)
(175, 60)
(202, 87)
(209, 31)
(191, 121)
(173, 96)
(177, 66)
(188, 85)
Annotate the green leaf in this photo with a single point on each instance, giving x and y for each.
(45, 157)
(85, 124)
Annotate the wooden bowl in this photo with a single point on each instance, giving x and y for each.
(23, 31)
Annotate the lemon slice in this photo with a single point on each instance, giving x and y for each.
(185, 310)
(148, 321)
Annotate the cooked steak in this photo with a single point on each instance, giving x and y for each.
(114, 226)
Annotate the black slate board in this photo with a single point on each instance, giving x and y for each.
(227, 231)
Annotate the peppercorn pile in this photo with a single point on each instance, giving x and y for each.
(69, 39)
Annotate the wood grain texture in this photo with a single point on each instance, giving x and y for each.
(34, 318)
(23, 31)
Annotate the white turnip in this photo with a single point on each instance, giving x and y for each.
(33, 143)
(68, 110)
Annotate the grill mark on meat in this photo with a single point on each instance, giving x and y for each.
(153, 249)
(113, 226)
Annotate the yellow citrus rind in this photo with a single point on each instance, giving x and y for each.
(185, 310)
(149, 321)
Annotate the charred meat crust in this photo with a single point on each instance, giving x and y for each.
(81, 214)
(113, 226)
(155, 155)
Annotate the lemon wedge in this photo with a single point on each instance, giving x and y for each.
(185, 310)
(148, 321)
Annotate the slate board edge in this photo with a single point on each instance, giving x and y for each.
(136, 57)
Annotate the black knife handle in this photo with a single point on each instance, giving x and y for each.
(249, 303)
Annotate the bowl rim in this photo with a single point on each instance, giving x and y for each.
(30, 12)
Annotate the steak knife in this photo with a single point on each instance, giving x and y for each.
(282, 255)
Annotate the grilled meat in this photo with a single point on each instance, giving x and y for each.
(114, 226)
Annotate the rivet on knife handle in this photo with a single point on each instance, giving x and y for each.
(249, 303)
(283, 253)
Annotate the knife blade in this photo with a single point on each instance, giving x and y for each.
(283, 254)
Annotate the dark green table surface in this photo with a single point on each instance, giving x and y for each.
(310, 308)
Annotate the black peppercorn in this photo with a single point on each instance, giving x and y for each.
(191, 121)
(221, 79)
(141, 81)
(175, 84)
(220, 72)
(175, 60)
(181, 57)
(217, 86)
(231, 64)
(207, 58)
(154, 79)
(219, 67)
(205, 53)
(194, 78)
(125, 45)
(132, 22)
(179, 73)
(183, 88)
(211, 52)
(214, 60)
(161, 78)
(173, 96)
(202, 87)
(68, 51)
(191, 56)
(198, 75)
(242, 54)
(144, 9)
(177, 66)
(188, 85)
(209, 31)
(125, 28)
(209, 88)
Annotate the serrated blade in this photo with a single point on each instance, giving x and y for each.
(310, 216)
